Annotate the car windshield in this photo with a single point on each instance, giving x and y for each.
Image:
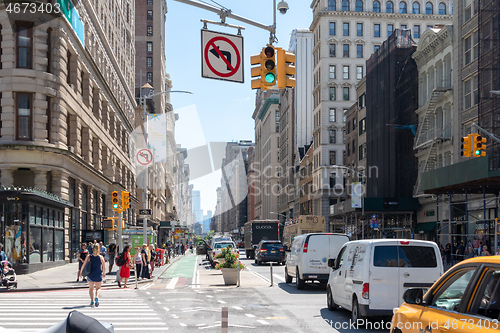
(272, 246)
(223, 245)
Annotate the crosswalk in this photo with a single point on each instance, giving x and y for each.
(32, 312)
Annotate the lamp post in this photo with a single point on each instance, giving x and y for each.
(362, 197)
(142, 99)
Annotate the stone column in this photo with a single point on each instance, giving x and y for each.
(7, 176)
(41, 178)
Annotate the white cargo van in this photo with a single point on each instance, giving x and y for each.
(369, 277)
(307, 258)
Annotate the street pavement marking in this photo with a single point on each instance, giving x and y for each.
(182, 324)
(275, 318)
(210, 296)
(147, 286)
(175, 316)
(237, 308)
(249, 315)
(279, 277)
(172, 283)
(135, 329)
(264, 278)
(166, 309)
(221, 301)
(263, 322)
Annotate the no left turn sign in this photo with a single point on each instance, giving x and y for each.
(144, 157)
(221, 56)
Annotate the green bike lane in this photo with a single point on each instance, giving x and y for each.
(181, 268)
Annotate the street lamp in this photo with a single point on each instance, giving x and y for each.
(362, 197)
(142, 100)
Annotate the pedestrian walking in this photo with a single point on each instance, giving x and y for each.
(470, 253)
(183, 249)
(447, 253)
(485, 251)
(125, 268)
(138, 262)
(3, 256)
(152, 261)
(111, 255)
(82, 255)
(97, 274)
(145, 262)
(460, 251)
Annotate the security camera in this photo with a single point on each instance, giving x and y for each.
(283, 7)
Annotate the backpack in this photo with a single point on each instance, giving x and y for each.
(120, 260)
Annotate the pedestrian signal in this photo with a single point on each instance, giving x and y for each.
(466, 146)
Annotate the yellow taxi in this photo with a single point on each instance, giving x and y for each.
(464, 299)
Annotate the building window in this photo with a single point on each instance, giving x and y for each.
(359, 5)
(149, 31)
(359, 51)
(149, 46)
(332, 5)
(149, 62)
(362, 126)
(49, 118)
(344, 113)
(149, 77)
(149, 15)
(345, 72)
(345, 51)
(389, 7)
(416, 31)
(333, 94)
(345, 31)
(332, 51)
(332, 134)
(404, 27)
(24, 116)
(376, 7)
(333, 115)
(345, 93)
(332, 180)
(359, 72)
(390, 30)
(468, 50)
(402, 8)
(345, 5)
(416, 8)
(332, 28)
(333, 72)
(24, 44)
(375, 48)
(428, 8)
(359, 29)
(376, 30)
(468, 94)
(68, 68)
(150, 2)
(362, 151)
(333, 157)
(49, 50)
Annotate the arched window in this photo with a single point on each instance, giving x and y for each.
(416, 8)
(376, 7)
(359, 5)
(428, 8)
(345, 5)
(402, 7)
(332, 5)
(442, 9)
(389, 8)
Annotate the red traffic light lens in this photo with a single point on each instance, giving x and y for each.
(269, 52)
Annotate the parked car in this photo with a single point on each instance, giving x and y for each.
(306, 260)
(201, 247)
(217, 248)
(369, 277)
(270, 251)
(465, 299)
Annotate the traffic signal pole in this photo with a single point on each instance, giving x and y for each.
(120, 238)
(491, 135)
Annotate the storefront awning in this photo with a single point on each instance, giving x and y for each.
(425, 227)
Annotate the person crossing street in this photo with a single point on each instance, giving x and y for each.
(96, 275)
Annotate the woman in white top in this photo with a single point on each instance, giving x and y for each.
(138, 261)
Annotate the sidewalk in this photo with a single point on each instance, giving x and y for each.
(64, 277)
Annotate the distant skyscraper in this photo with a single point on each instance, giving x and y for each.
(197, 211)
(206, 222)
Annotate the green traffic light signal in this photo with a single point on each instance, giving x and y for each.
(115, 206)
(270, 77)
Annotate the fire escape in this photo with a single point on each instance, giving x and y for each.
(429, 136)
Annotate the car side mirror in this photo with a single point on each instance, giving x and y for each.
(414, 296)
(331, 263)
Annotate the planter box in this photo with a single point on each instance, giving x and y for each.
(230, 276)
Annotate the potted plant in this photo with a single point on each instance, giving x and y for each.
(229, 264)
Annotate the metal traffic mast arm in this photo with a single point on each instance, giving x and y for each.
(491, 135)
(223, 13)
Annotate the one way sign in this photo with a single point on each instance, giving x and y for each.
(222, 56)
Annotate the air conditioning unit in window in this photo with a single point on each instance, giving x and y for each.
(71, 149)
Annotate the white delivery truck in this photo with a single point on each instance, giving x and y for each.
(369, 277)
(306, 259)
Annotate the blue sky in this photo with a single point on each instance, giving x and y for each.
(219, 110)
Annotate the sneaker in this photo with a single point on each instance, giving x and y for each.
(96, 302)
(84, 280)
(119, 284)
(91, 304)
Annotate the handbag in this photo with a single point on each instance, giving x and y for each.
(87, 269)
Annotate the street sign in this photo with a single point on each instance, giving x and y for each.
(144, 157)
(144, 213)
(221, 56)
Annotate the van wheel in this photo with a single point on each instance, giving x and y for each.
(355, 313)
(300, 283)
(288, 278)
(329, 300)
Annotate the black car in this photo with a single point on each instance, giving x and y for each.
(268, 251)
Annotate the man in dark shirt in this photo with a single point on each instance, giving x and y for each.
(460, 251)
(82, 254)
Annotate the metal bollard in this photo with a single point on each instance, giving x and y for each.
(271, 263)
(135, 270)
(224, 321)
(239, 270)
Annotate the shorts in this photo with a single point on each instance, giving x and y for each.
(89, 280)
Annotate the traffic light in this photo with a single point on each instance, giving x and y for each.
(108, 224)
(267, 69)
(466, 145)
(115, 200)
(125, 199)
(285, 68)
(478, 145)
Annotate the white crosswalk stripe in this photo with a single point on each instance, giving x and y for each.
(32, 312)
